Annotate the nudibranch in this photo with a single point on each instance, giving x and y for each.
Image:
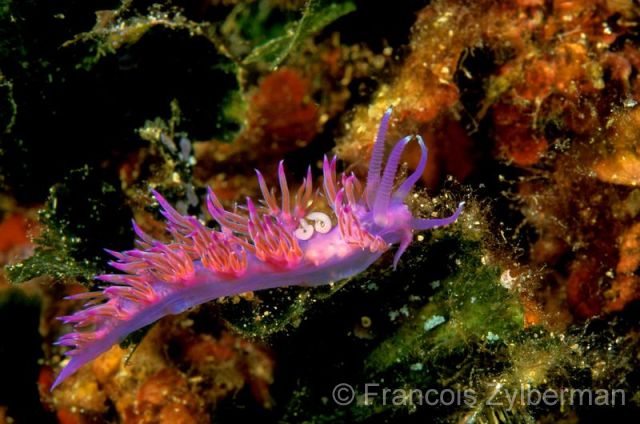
(310, 238)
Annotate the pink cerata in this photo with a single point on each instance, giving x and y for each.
(310, 239)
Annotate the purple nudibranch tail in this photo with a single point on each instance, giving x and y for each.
(298, 240)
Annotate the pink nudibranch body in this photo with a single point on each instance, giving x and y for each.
(274, 244)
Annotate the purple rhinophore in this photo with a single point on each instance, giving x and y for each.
(299, 240)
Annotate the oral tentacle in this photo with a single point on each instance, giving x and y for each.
(427, 224)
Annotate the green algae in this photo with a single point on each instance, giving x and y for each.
(78, 220)
(316, 15)
(256, 34)
(457, 326)
(468, 318)
(467, 307)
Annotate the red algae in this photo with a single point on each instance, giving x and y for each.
(228, 364)
(626, 284)
(282, 109)
(165, 397)
(280, 118)
(13, 232)
(514, 138)
(538, 78)
(551, 74)
(620, 161)
(153, 386)
(583, 288)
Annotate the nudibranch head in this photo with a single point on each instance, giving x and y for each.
(308, 237)
(391, 216)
